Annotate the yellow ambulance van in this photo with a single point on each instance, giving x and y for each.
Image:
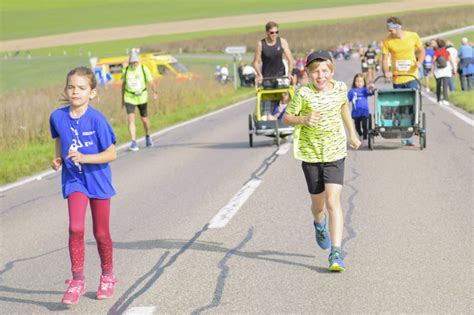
(160, 65)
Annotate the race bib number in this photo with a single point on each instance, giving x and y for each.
(403, 65)
(134, 84)
(370, 61)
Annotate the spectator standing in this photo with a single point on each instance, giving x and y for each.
(453, 55)
(443, 69)
(466, 61)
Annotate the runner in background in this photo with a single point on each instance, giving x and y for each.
(371, 58)
(407, 55)
(136, 78)
(268, 59)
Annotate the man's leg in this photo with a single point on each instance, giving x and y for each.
(131, 126)
(413, 84)
(463, 78)
(146, 125)
(143, 108)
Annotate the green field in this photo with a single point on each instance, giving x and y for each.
(30, 18)
(33, 83)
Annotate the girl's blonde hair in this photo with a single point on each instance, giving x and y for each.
(83, 72)
(315, 64)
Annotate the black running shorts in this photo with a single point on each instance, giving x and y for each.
(318, 174)
(142, 108)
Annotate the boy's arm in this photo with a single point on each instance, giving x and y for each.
(346, 117)
(292, 120)
(106, 156)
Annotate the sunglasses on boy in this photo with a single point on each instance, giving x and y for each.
(273, 32)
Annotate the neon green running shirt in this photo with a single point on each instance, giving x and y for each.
(325, 142)
(135, 82)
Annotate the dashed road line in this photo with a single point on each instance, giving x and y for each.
(230, 209)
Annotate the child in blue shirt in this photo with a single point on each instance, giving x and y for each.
(85, 144)
(357, 96)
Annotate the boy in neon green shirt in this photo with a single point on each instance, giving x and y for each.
(317, 111)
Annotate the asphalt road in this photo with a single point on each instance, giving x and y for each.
(408, 228)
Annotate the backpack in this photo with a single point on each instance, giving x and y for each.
(441, 62)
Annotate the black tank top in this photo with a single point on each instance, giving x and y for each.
(272, 62)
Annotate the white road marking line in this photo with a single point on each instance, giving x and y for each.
(230, 209)
(26, 180)
(141, 310)
(284, 148)
(163, 131)
(123, 146)
(459, 115)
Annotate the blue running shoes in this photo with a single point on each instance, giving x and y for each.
(322, 234)
(133, 146)
(336, 261)
(148, 141)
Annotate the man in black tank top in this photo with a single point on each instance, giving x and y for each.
(269, 54)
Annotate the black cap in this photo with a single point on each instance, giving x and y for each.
(318, 55)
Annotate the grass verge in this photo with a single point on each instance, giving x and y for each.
(30, 158)
(35, 156)
(462, 99)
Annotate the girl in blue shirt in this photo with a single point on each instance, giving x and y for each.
(85, 144)
(358, 95)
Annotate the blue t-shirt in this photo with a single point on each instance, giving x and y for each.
(428, 61)
(89, 134)
(358, 99)
(465, 51)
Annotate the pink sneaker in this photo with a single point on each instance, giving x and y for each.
(74, 292)
(106, 287)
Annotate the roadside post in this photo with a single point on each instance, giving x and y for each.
(235, 51)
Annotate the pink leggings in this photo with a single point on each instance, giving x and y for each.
(77, 203)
